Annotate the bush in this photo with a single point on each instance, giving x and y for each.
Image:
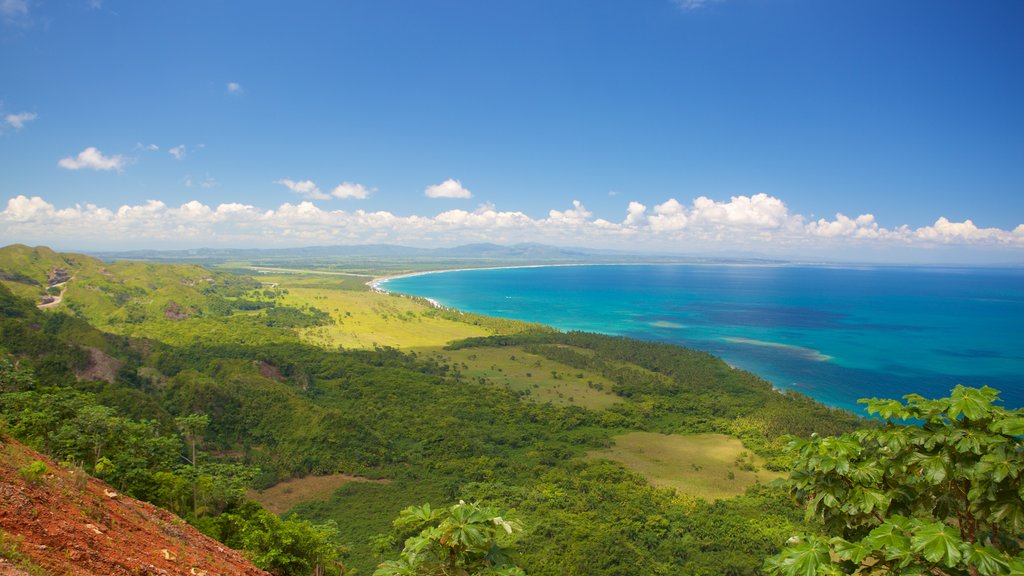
(33, 473)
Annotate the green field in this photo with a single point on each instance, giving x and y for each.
(543, 379)
(709, 466)
(365, 320)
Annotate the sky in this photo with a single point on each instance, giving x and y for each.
(869, 130)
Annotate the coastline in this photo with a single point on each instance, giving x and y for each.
(837, 377)
(376, 283)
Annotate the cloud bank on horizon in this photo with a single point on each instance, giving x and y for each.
(756, 222)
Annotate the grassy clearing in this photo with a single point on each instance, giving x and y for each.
(363, 319)
(286, 495)
(545, 380)
(710, 466)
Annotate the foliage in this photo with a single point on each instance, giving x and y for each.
(942, 497)
(436, 425)
(284, 547)
(462, 539)
(33, 472)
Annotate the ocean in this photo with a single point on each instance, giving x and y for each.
(836, 334)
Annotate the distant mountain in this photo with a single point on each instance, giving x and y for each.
(523, 252)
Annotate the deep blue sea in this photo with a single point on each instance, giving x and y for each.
(836, 334)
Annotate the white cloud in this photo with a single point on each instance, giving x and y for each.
(754, 223)
(178, 151)
(307, 188)
(760, 210)
(944, 231)
(450, 188)
(146, 147)
(636, 214)
(863, 226)
(93, 159)
(668, 216)
(234, 88)
(22, 209)
(576, 215)
(17, 121)
(350, 190)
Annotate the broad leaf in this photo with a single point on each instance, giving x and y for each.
(987, 560)
(938, 543)
(973, 403)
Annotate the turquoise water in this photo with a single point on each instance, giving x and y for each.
(835, 334)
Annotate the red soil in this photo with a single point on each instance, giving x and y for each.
(62, 523)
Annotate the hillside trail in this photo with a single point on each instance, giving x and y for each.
(56, 299)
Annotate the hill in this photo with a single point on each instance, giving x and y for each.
(57, 520)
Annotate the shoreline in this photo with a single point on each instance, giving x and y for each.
(376, 283)
(835, 387)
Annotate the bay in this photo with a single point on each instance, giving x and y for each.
(836, 334)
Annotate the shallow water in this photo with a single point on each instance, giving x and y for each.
(836, 334)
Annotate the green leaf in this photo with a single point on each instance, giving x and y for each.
(987, 560)
(1011, 426)
(973, 403)
(937, 543)
(884, 407)
(853, 551)
(888, 536)
(801, 559)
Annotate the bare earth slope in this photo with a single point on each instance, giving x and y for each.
(58, 522)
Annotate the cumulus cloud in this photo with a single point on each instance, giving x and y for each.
(17, 121)
(234, 88)
(450, 188)
(759, 210)
(944, 231)
(753, 222)
(350, 190)
(636, 215)
(576, 215)
(92, 159)
(178, 151)
(307, 188)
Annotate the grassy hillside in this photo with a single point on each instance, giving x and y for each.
(710, 466)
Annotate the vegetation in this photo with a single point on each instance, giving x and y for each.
(187, 388)
(709, 466)
(941, 494)
(462, 539)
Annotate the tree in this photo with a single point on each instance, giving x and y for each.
(462, 540)
(285, 547)
(14, 378)
(192, 428)
(938, 494)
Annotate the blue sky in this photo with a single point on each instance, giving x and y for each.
(737, 125)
